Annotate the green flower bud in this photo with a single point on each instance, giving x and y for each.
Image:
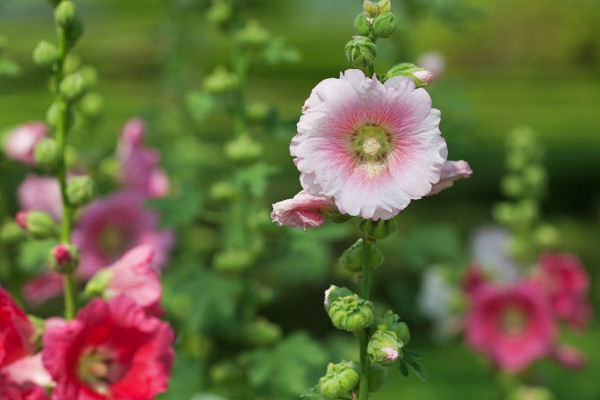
(220, 12)
(72, 64)
(89, 75)
(222, 191)
(55, 110)
(377, 229)
(377, 375)
(225, 373)
(261, 332)
(384, 348)
(513, 186)
(381, 7)
(361, 52)
(384, 25)
(91, 105)
(384, 6)
(391, 322)
(362, 26)
(232, 260)
(536, 177)
(243, 148)
(351, 259)
(528, 210)
(253, 35)
(72, 87)
(351, 313)
(546, 235)
(65, 14)
(64, 258)
(40, 224)
(97, 285)
(339, 380)
(45, 54)
(504, 213)
(258, 112)
(10, 232)
(220, 81)
(47, 153)
(334, 293)
(419, 75)
(80, 191)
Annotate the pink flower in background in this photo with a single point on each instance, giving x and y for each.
(569, 357)
(433, 61)
(16, 331)
(133, 276)
(302, 211)
(566, 282)
(372, 147)
(451, 172)
(513, 326)
(112, 350)
(41, 193)
(139, 164)
(42, 288)
(20, 143)
(113, 225)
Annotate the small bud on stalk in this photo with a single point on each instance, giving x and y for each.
(384, 25)
(243, 149)
(377, 229)
(47, 153)
(391, 322)
(220, 81)
(253, 35)
(339, 380)
(38, 223)
(64, 258)
(420, 76)
(80, 191)
(54, 111)
(384, 347)
(72, 87)
(361, 52)
(91, 105)
(351, 259)
(65, 14)
(362, 26)
(45, 54)
(351, 313)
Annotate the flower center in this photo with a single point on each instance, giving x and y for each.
(370, 146)
(98, 370)
(513, 321)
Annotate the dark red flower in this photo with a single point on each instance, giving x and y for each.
(16, 331)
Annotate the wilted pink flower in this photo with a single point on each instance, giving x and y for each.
(451, 171)
(139, 164)
(20, 143)
(112, 225)
(112, 350)
(565, 279)
(302, 211)
(372, 147)
(132, 276)
(42, 288)
(432, 61)
(513, 326)
(41, 193)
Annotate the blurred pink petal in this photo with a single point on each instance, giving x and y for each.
(41, 193)
(42, 288)
(20, 143)
(569, 357)
(433, 61)
(29, 370)
(451, 172)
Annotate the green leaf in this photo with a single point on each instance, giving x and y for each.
(178, 210)
(415, 367)
(403, 368)
(199, 104)
(256, 177)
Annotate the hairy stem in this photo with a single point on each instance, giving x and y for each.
(365, 286)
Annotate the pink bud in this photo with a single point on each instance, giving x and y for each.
(391, 354)
(423, 75)
(65, 258)
(20, 143)
(131, 136)
(61, 254)
(20, 219)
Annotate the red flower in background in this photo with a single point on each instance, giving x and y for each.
(112, 350)
(565, 280)
(16, 331)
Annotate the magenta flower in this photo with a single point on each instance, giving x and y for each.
(112, 350)
(566, 282)
(112, 225)
(42, 288)
(139, 164)
(133, 276)
(451, 172)
(41, 193)
(372, 147)
(20, 143)
(302, 211)
(513, 326)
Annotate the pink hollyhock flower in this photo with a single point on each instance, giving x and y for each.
(370, 146)
(565, 279)
(42, 288)
(16, 331)
(451, 172)
(139, 164)
(302, 211)
(133, 276)
(112, 350)
(41, 193)
(111, 226)
(28, 371)
(512, 326)
(20, 143)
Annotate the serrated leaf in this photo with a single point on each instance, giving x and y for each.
(403, 368)
(314, 393)
(419, 371)
(177, 210)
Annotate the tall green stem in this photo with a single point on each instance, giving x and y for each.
(365, 287)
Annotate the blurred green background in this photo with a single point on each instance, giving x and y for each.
(508, 63)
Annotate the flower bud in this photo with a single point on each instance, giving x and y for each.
(384, 25)
(384, 6)
(377, 375)
(47, 153)
(89, 75)
(91, 105)
(220, 81)
(381, 7)
(340, 379)
(253, 35)
(45, 54)
(334, 293)
(220, 12)
(222, 191)
(362, 26)
(384, 347)
(261, 332)
(361, 52)
(377, 229)
(420, 76)
(64, 258)
(80, 191)
(96, 286)
(258, 112)
(232, 260)
(72, 87)
(38, 223)
(54, 111)
(351, 313)
(65, 14)
(10, 232)
(351, 259)
(513, 186)
(243, 148)
(391, 322)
